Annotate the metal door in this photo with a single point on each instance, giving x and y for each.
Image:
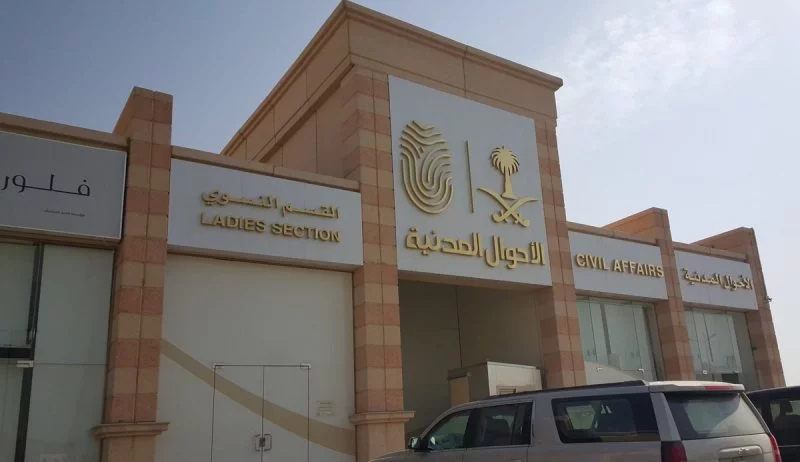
(286, 424)
(236, 413)
(260, 413)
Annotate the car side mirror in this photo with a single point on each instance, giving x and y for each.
(413, 442)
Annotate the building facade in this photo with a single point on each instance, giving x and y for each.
(385, 236)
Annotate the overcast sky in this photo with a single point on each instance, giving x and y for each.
(709, 85)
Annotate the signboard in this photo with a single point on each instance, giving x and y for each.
(468, 195)
(60, 188)
(715, 281)
(614, 266)
(239, 213)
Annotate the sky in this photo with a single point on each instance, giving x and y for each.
(685, 105)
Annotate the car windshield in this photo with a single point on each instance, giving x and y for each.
(712, 415)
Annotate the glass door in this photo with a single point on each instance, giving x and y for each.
(615, 340)
(715, 350)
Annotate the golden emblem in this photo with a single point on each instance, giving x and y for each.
(506, 162)
(425, 163)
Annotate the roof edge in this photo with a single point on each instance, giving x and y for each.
(348, 10)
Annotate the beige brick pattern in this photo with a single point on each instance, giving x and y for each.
(760, 325)
(670, 314)
(134, 354)
(556, 306)
(376, 311)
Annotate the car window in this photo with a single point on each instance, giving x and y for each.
(712, 415)
(785, 415)
(600, 419)
(502, 426)
(449, 433)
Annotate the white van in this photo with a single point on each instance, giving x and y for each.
(628, 421)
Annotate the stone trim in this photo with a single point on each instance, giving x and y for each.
(695, 248)
(123, 430)
(61, 132)
(208, 158)
(381, 417)
(586, 229)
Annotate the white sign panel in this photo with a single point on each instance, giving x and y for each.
(62, 188)
(715, 281)
(239, 213)
(614, 266)
(468, 194)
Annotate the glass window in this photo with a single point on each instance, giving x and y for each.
(712, 337)
(712, 415)
(600, 419)
(615, 336)
(785, 415)
(506, 425)
(449, 433)
(16, 279)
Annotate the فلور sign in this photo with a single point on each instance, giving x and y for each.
(447, 168)
(60, 187)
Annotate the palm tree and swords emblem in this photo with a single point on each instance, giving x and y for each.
(427, 177)
(506, 162)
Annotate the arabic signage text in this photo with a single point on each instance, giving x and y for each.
(467, 184)
(59, 187)
(298, 221)
(714, 281)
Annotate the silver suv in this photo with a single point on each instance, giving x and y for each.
(627, 421)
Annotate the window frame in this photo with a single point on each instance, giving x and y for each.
(522, 410)
(26, 353)
(644, 433)
(425, 440)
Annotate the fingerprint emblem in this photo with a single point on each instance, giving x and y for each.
(425, 164)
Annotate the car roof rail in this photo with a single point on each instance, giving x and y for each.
(630, 383)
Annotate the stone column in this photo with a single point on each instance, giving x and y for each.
(129, 428)
(379, 417)
(670, 314)
(759, 323)
(556, 306)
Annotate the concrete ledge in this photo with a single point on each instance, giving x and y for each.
(381, 417)
(694, 248)
(577, 227)
(203, 157)
(122, 430)
(61, 132)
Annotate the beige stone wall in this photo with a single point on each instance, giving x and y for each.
(760, 325)
(670, 313)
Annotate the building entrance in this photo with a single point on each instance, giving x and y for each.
(53, 341)
(260, 413)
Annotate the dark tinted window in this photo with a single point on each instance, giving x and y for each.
(785, 415)
(449, 433)
(600, 419)
(507, 425)
(712, 415)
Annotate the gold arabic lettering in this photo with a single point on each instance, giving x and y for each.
(724, 281)
(268, 202)
(493, 255)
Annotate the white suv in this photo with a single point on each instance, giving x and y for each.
(627, 421)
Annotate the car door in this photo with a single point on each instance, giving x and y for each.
(500, 433)
(446, 441)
